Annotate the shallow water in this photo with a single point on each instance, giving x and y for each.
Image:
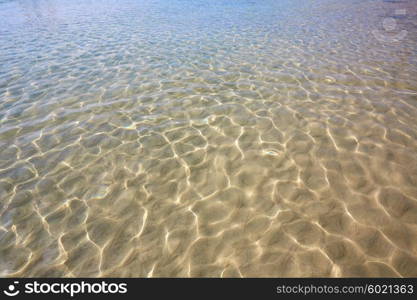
(208, 138)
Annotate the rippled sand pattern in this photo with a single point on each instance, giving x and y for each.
(208, 138)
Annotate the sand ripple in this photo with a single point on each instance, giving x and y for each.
(230, 139)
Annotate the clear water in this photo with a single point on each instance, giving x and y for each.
(220, 138)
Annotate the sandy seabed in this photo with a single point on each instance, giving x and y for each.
(208, 138)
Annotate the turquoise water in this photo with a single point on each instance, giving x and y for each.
(220, 138)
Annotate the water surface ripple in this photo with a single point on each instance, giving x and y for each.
(221, 138)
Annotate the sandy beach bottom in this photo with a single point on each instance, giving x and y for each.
(280, 141)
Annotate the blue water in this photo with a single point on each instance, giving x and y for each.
(221, 138)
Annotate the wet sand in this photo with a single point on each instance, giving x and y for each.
(208, 139)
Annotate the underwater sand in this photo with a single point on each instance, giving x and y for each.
(220, 138)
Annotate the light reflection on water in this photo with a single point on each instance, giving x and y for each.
(208, 138)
